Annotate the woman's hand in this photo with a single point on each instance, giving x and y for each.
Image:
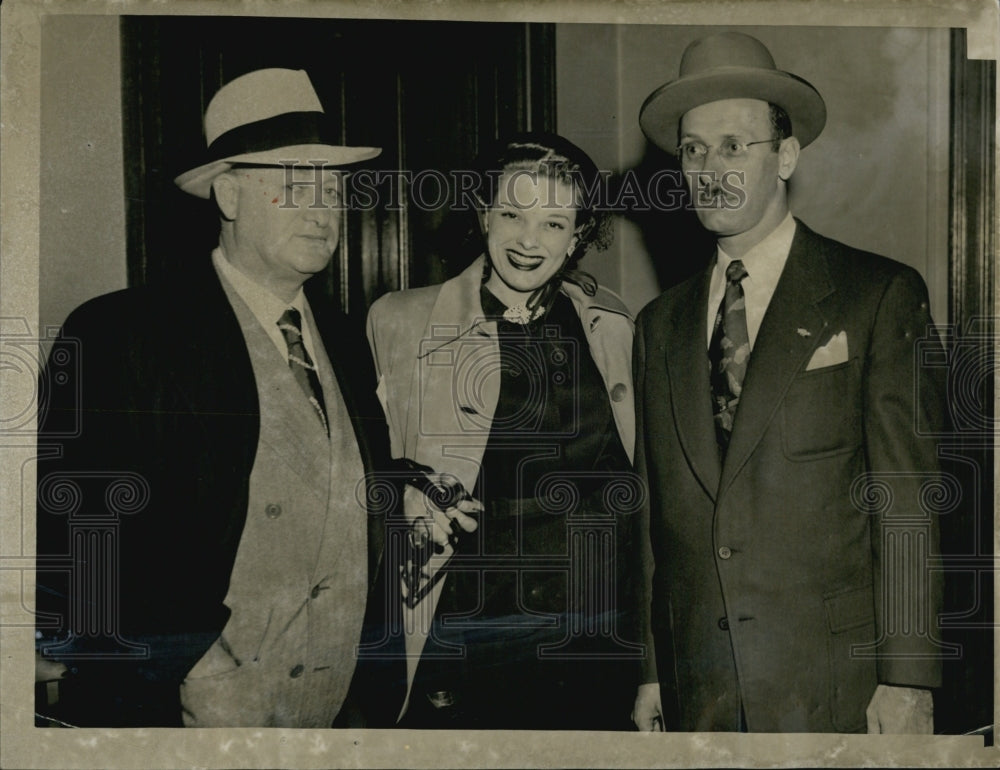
(441, 526)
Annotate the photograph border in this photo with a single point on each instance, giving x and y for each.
(25, 746)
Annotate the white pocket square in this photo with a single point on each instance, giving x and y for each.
(832, 353)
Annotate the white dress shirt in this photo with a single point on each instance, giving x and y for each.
(266, 307)
(763, 263)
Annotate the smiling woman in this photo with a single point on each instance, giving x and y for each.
(539, 219)
(513, 380)
(531, 231)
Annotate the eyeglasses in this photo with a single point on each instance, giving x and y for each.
(731, 149)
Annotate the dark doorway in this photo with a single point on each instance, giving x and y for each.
(431, 94)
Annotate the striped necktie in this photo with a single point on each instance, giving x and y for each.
(729, 353)
(303, 369)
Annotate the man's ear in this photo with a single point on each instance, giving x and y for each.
(227, 195)
(788, 157)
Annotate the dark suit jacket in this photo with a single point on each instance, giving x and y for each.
(765, 576)
(153, 389)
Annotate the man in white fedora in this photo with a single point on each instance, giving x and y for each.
(241, 417)
(785, 583)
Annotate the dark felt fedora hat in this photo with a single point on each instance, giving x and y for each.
(730, 65)
(267, 117)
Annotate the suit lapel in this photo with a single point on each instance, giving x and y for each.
(690, 392)
(791, 330)
(216, 378)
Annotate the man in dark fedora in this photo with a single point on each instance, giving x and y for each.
(786, 536)
(217, 558)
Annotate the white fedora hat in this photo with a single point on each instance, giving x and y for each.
(730, 65)
(268, 117)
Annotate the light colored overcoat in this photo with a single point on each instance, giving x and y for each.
(438, 364)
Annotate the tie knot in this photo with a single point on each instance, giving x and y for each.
(290, 321)
(736, 272)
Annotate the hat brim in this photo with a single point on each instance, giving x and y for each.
(661, 113)
(198, 181)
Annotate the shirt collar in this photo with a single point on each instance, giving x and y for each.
(266, 306)
(765, 261)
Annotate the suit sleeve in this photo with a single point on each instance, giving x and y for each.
(905, 406)
(643, 551)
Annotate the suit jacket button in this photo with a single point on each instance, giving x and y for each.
(724, 624)
(296, 672)
(618, 392)
(725, 552)
(272, 510)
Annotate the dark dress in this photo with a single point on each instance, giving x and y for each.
(531, 631)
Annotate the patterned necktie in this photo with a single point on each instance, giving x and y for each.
(299, 362)
(729, 353)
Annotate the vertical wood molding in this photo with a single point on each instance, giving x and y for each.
(134, 131)
(402, 255)
(540, 63)
(967, 533)
(972, 235)
(489, 80)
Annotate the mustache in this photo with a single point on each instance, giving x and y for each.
(711, 191)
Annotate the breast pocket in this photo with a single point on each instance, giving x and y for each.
(821, 413)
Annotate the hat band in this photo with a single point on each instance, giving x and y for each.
(285, 130)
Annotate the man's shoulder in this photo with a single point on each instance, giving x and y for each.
(156, 323)
(677, 296)
(849, 263)
(180, 295)
(124, 308)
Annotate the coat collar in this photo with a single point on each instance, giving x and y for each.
(217, 365)
(458, 313)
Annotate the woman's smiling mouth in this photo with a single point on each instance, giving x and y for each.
(523, 261)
